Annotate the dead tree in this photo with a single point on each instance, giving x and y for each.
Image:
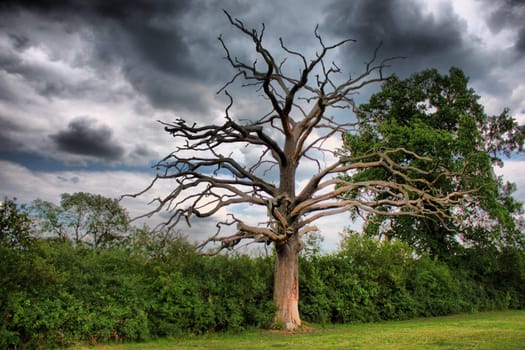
(296, 129)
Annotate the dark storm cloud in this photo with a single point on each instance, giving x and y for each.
(166, 91)
(82, 137)
(6, 92)
(147, 36)
(43, 80)
(403, 28)
(142, 152)
(46, 81)
(8, 142)
(20, 42)
(105, 8)
(150, 34)
(520, 43)
(504, 13)
(73, 179)
(167, 50)
(510, 15)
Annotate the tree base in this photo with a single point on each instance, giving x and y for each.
(286, 285)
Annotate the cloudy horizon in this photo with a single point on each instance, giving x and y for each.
(83, 84)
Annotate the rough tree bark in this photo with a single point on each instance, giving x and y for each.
(286, 271)
(286, 283)
(297, 127)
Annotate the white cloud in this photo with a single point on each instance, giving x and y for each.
(514, 171)
(27, 185)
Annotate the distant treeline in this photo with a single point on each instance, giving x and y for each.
(54, 293)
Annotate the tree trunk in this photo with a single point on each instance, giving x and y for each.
(286, 283)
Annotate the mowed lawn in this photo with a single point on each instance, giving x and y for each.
(488, 330)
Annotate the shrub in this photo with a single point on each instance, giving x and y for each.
(55, 294)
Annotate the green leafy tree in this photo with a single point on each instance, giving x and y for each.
(439, 117)
(84, 218)
(158, 244)
(15, 225)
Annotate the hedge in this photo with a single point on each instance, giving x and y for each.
(54, 295)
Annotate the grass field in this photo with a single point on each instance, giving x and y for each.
(490, 331)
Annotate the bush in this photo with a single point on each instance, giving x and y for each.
(55, 294)
(371, 280)
(64, 295)
(237, 289)
(434, 290)
(365, 281)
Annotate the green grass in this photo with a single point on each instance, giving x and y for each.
(491, 331)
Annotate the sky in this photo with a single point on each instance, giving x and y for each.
(83, 84)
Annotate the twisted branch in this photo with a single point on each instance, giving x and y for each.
(295, 130)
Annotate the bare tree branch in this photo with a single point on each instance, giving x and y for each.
(208, 178)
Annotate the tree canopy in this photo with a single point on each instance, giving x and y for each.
(437, 116)
(84, 218)
(15, 224)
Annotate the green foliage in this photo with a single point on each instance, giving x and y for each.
(65, 294)
(84, 218)
(15, 225)
(312, 244)
(55, 294)
(372, 280)
(163, 245)
(439, 117)
(497, 277)
(365, 281)
(239, 294)
(434, 290)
